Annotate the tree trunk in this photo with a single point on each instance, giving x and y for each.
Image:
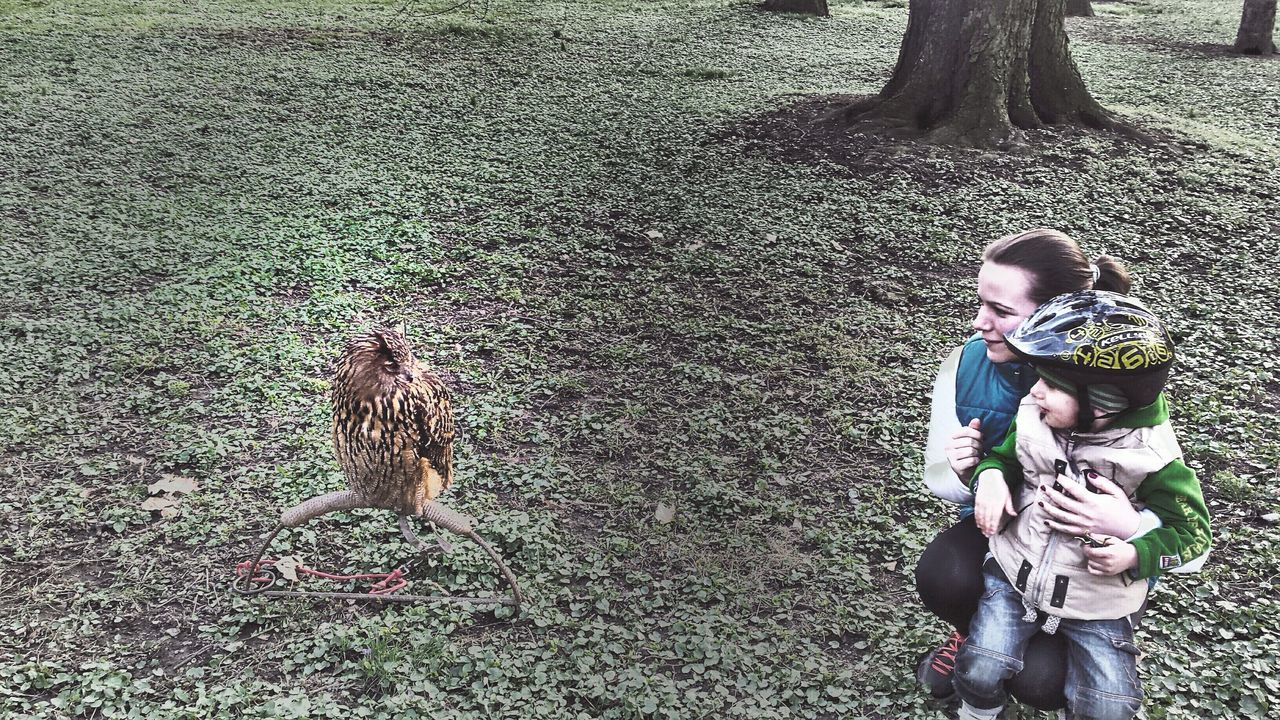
(1256, 24)
(977, 72)
(809, 7)
(1079, 8)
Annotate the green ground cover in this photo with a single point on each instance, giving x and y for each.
(638, 296)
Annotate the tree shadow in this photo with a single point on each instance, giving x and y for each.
(812, 130)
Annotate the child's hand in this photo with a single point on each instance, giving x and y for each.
(1113, 558)
(991, 500)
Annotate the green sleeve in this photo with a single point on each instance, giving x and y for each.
(1173, 494)
(1003, 457)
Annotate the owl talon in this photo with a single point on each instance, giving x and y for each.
(442, 546)
(445, 546)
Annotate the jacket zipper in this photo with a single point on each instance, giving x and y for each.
(1050, 548)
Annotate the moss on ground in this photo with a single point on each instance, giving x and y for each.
(597, 221)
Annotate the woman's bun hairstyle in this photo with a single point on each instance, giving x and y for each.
(1056, 264)
(1112, 275)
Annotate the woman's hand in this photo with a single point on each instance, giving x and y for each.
(1113, 558)
(1077, 511)
(991, 500)
(965, 449)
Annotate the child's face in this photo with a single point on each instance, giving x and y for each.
(1058, 408)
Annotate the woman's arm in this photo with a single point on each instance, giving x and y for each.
(1075, 510)
(1105, 512)
(938, 475)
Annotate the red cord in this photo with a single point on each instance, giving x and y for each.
(387, 582)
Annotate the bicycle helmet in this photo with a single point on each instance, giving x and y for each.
(1094, 337)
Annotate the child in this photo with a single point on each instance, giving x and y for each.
(1098, 409)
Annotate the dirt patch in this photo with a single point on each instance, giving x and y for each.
(1109, 31)
(1205, 51)
(285, 38)
(1208, 51)
(809, 131)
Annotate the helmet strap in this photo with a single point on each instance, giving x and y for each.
(1084, 411)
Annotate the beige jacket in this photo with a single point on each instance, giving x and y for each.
(1047, 567)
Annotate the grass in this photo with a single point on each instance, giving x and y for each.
(199, 203)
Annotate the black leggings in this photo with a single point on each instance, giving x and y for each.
(949, 579)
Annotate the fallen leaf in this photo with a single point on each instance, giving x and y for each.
(158, 503)
(288, 567)
(665, 513)
(173, 484)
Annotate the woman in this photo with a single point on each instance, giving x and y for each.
(975, 399)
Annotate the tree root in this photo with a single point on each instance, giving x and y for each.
(892, 118)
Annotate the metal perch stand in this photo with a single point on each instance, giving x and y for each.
(435, 513)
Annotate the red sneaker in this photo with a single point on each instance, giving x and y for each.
(936, 668)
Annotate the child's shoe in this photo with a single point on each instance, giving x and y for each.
(936, 669)
(969, 712)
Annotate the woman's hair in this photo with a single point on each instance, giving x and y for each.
(1056, 264)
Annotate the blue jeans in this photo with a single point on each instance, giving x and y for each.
(1102, 672)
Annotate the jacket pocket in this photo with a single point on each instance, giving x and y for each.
(994, 579)
(1127, 646)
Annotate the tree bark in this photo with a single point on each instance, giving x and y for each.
(809, 7)
(1079, 8)
(1257, 22)
(978, 72)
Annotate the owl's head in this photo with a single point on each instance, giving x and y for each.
(382, 355)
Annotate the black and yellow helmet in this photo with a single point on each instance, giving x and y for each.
(1093, 337)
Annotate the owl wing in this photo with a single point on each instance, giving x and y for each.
(433, 418)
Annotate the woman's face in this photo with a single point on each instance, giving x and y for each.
(1004, 301)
